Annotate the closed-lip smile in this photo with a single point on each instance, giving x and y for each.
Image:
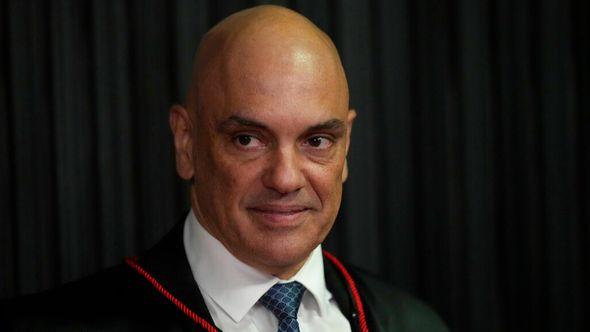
(279, 215)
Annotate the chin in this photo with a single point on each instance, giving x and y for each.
(285, 253)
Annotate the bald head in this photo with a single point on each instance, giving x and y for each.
(264, 137)
(250, 46)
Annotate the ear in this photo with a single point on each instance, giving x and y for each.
(349, 122)
(181, 126)
(345, 171)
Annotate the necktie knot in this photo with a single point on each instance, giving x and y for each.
(283, 301)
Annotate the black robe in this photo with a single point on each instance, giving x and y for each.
(123, 299)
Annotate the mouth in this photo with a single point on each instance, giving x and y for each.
(280, 215)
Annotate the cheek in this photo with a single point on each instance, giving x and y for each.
(326, 181)
(236, 179)
(213, 167)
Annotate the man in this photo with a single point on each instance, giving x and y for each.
(263, 139)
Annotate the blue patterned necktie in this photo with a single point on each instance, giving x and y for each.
(283, 301)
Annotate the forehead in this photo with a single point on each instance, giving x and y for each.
(290, 85)
(282, 100)
(283, 72)
(266, 61)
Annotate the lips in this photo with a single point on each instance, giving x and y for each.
(280, 215)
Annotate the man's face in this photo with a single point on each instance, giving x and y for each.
(269, 158)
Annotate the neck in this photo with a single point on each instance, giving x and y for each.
(287, 273)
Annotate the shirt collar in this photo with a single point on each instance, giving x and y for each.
(236, 286)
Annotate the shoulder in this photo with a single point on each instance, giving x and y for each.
(392, 309)
(113, 296)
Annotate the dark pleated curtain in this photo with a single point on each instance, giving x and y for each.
(468, 167)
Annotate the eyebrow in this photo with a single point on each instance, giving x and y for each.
(234, 119)
(332, 124)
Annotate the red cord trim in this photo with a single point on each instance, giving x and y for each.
(197, 319)
(355, 294)
(206, 325)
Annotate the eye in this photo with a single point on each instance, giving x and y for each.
(245, 141)
(319, 142)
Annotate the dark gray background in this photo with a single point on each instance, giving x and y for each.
(468, 183)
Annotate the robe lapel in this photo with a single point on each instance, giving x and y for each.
(167, 262)
(337, 286)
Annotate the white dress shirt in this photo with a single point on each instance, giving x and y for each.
(231, 288)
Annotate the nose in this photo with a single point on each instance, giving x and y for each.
(284, 173)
